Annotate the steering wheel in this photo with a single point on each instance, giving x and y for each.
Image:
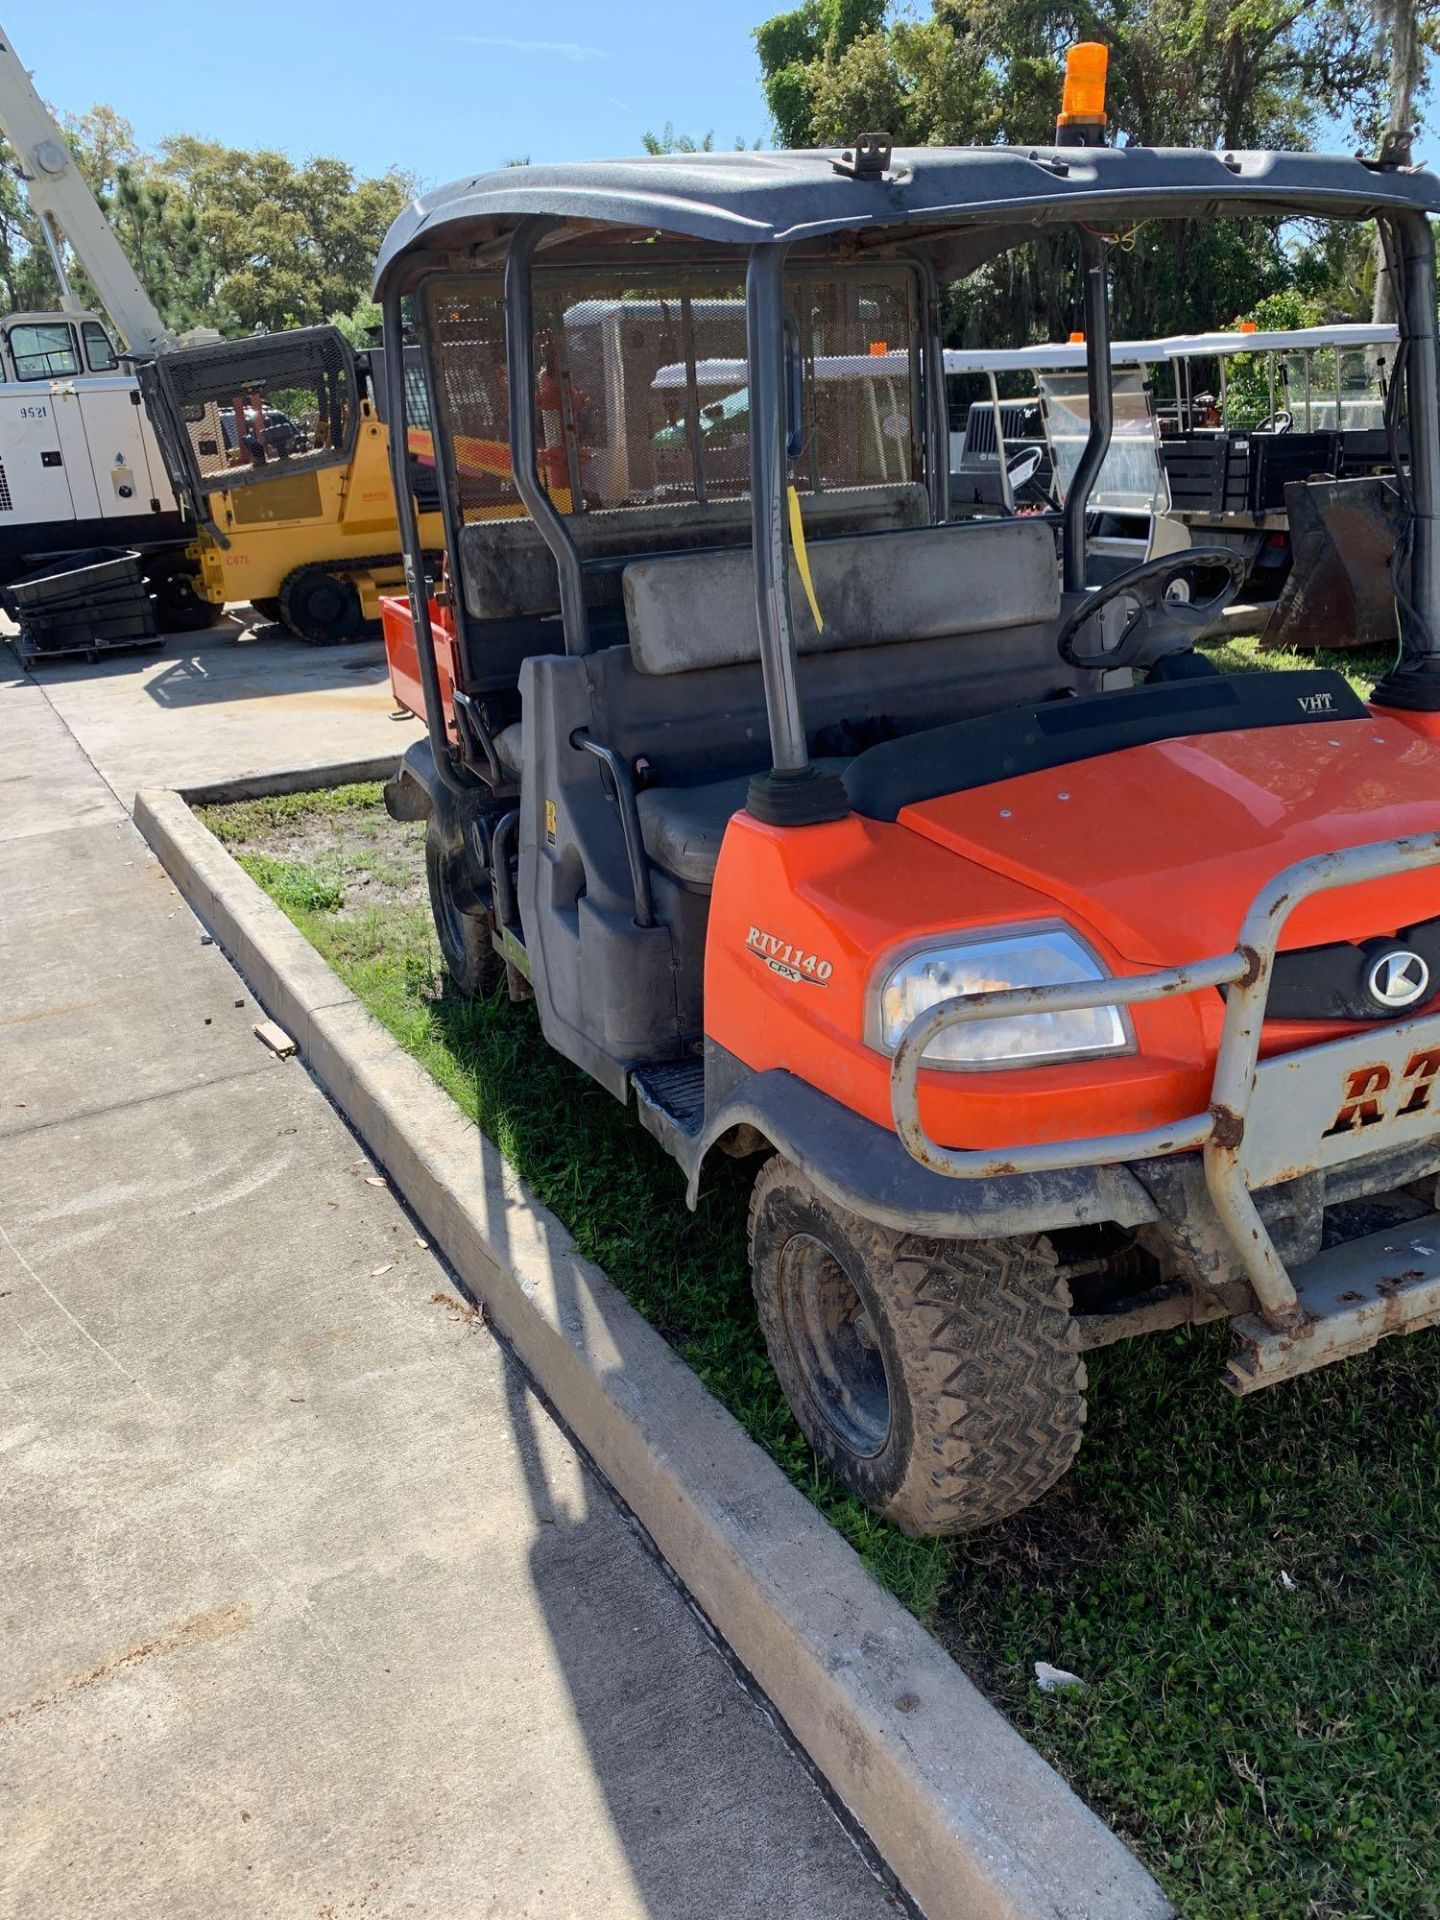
(1021, 469)
(1162, 622)
(1280, 422)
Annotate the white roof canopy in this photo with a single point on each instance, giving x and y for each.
(1179, 346)
(1056, 358)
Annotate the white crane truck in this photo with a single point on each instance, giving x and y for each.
(79, 464)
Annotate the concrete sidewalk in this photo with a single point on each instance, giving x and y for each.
(310, 1609)
(244, 698)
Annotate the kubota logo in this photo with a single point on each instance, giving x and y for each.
(1399, 978)
(790, 962)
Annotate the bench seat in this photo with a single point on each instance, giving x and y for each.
(682, 827)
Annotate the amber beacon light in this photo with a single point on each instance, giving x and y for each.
(1082, 119)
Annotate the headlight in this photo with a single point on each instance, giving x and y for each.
(1043, 958)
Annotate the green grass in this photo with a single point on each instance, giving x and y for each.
(298, 888)
(1271, 1752)
(1362, 667)
(353, 854)
(251, 821)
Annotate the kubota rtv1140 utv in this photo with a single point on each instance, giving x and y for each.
(1062, 986)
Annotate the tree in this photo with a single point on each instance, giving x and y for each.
(219, 236)
(668, 141)
(1230, 73)
(359, 326)
(1405, 26)
(1182, 72)
(162, 238)
(287, 245)
(797, 48)
(26, 279)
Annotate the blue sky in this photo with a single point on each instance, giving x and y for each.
(440, 88)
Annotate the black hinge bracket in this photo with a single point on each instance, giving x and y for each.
(868, 159)
(1395, 146)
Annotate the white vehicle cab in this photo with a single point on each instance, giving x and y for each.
(79, 463)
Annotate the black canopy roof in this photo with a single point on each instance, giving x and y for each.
(748, 199)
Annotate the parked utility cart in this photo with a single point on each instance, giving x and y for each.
(1062, 987)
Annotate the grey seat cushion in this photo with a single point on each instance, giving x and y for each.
(688, 611)
(682, 827)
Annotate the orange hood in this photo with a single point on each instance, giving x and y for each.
(1159, 849)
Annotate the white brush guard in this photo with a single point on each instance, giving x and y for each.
(1267, 1122)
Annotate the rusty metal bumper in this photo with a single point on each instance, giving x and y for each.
(1266, 1123)
(1350, 1297)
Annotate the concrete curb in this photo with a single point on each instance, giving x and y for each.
(973, 1822)
(261, 786)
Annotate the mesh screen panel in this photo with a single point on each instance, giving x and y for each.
(619, 414)
(420, 435)
(858, 336)
(465, 328)
(280, 403)
(420, 441)
(721, 404)
(641, 394)
(417, 401)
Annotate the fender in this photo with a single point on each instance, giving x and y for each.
(865, 1168)
(417, 792)
(464, 822)
(414, 791)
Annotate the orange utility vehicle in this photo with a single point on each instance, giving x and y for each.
(1062, 986)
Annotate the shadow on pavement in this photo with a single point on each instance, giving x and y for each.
(716, 1812)
(260, 669)
(241, 658)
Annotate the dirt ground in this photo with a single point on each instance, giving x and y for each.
(351, 855)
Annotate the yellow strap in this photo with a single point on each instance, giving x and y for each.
(802, 558)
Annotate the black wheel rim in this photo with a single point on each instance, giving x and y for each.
(836, 1344)
(447, 918)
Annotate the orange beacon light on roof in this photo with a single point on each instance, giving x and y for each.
(1082, 106)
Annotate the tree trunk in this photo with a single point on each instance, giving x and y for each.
(1397, 18)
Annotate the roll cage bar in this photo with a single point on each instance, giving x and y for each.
(514, 222)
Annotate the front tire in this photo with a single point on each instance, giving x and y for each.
(940, 1380)
(463, 931)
